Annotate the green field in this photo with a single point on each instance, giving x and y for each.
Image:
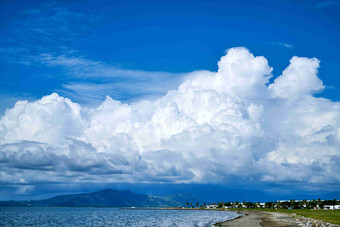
(330, 216)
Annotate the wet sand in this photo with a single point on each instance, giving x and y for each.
(261, 219)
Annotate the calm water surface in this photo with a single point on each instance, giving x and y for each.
(53, 216)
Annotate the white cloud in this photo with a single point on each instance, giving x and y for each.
(216, 126)
(298, 79)
(49, 120)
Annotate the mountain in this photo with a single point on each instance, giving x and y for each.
(108, 198)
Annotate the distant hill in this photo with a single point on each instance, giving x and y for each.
(108, 198)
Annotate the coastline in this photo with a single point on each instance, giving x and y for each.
(254, 218)
(260, 219)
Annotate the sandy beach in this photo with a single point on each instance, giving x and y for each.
(261, 218)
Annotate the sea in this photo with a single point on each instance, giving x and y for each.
(81, 216)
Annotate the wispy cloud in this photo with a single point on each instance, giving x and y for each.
(86, 68)
(282, 44)
(46, 36)
(93, 80)
(327, 4)
(95, 93)
(49, 28)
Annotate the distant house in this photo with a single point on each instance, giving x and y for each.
(212, 206)
(260, 205)
(331, 207)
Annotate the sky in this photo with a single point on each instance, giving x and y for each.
(225, 99)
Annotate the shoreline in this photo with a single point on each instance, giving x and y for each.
(255, 218)
(260, 219)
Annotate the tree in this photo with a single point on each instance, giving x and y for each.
(197, 204)
(312, 204)
(227, 204)
(304, 203)
(249, 204)
(294, 204)
(269, 205)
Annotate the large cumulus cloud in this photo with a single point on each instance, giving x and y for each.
(217, 126)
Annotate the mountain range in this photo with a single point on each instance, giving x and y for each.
(107, 198)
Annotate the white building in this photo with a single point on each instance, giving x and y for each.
(331, 207)
(261, 205)
(212, 206)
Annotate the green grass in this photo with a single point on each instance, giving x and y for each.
(330, 216)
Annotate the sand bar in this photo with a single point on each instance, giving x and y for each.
(260, 219)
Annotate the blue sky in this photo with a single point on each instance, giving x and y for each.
(164, 36)
(116, 61)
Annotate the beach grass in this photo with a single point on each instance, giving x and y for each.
(330, 216)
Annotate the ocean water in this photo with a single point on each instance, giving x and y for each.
(62, 216)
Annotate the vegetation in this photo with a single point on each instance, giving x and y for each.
(307, 208)
(190, 205)
(289, 204)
